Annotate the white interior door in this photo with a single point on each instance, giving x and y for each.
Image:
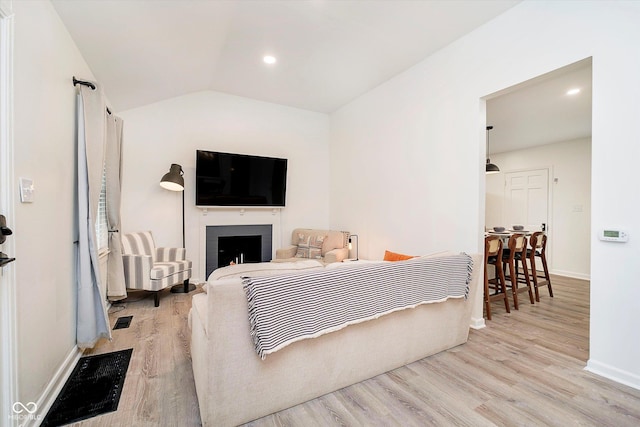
(8, 339)
(526, 199)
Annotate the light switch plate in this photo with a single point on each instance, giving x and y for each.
(26, 190)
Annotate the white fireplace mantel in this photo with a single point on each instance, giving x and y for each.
(239, 210)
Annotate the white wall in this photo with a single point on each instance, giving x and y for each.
(171, 131)
(406, 162)
(408, 157)
(44, 120)
(568, 246)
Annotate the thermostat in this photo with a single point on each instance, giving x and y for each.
(613, 235)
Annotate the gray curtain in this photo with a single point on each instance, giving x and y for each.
(91, 317)
(116, 288)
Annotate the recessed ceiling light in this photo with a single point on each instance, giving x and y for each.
(574, 91)
(268, 59)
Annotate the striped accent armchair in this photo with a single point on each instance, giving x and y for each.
(153, 269)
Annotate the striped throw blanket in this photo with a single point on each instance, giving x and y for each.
(289, 308)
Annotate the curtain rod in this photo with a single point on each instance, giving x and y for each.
(80, 82)
(89, 84)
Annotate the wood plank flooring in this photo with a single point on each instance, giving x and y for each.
(523, 369)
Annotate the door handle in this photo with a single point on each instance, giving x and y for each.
(4, 230)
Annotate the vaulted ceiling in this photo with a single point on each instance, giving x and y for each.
(328, 51)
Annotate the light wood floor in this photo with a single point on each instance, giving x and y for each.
(523, 369)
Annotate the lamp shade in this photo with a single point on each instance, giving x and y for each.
(173, 179)
(491, 168)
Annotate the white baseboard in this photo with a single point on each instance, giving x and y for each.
(477, 323)
(51, 391)
(571, 274)
(614, 374)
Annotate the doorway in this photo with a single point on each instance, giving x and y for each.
(541, 141)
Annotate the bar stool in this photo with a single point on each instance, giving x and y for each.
(517, 252)
(493, 256)
(538, 248)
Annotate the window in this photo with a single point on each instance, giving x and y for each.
(102, 227)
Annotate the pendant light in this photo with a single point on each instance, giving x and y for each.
(491, 168)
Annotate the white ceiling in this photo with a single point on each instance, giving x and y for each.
(329, 52)
(539, 111)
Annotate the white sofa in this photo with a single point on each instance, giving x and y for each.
(330, 246)
(235, 386)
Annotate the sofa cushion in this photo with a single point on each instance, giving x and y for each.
(165, 269)
(302, 242)
(262, 269)
(139, 244)
(333, 240)
(351, 263)
(310, 245)
(393, 256)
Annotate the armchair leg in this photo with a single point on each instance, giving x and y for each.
(156, 298)
(183, 289)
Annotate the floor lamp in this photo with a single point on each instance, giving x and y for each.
(174, 181)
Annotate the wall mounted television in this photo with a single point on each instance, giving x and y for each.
(226, 179)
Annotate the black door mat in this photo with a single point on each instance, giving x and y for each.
(93, 388)
(123, 322)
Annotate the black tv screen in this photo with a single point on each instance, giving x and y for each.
(225, 179)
